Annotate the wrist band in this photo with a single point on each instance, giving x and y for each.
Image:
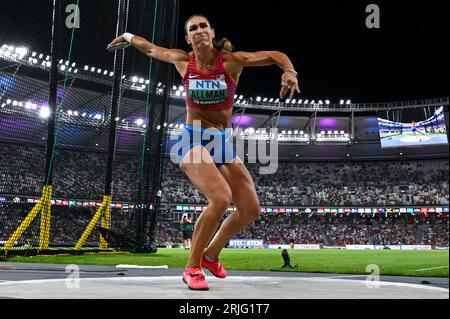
(128, 37)
(293, 71)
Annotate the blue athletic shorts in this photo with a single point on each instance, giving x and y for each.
(212, 139)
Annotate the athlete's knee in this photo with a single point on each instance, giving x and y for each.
(255, 211)
(221, 200)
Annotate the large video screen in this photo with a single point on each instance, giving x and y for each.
(417, 127)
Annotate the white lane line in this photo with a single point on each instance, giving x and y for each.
(141, 267)
(434, 268)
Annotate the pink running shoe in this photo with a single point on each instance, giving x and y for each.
(195, 278)
(215, 267)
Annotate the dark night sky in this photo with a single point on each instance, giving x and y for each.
(335, 54)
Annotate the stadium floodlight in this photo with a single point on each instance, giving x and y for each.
(8, 101)
(67, 63)
(265, 99)
(288, 101)
(70, 112)
(76, 71)
(83, 115)
(21, 52)
(322, 132)
(20, 104)
(159, 127)
(178, 93)
(70, 69)
(134, 79)
(327, 102)
(300, 101)
(63, 67)
(3, 105)
(306, 101)
(49, 64)
(289, 132)
(117, 119)
(15, 103)
(35, 61)
(349, 102)
(61, 61)
(10, 48)
(258, 99)
(329, 133)
(139, 122)
(147, 82)
(241, 97)
(33, 54)
(306, 136)
(336, 132)
(174, 88)
(184, 94)
(44, 112)
(296, 132)
(277, 100)
(271, 100)
(92, 69)
(86, 67)
(97, 117)
(99, 71)
(235, 96)
(320, 102)
(165, 124)
(341, 102)
(105, 72)
(159, 84)
(301, 132)
(111, 74)
(313, 102)
(181, 88)
(294, 101)
(141, 81)
(342, 132)
(181, 126)
(238, 102)
(283, 132)
(171, 125)
(75, 113)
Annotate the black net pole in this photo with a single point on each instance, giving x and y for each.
(53, 95)
(166, 35)
(118, 68)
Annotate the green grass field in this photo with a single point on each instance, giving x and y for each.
(400, 263)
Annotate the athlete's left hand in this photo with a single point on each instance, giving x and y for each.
(289, 82)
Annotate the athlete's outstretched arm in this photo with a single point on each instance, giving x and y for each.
(173, 56)
(266, 58)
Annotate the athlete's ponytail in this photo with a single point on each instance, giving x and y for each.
(223, 45)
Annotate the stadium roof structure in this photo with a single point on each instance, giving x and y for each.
(85, 93)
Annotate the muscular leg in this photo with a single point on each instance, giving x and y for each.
(246, 201)
(206, 177)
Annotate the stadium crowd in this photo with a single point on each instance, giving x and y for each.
(79, 175)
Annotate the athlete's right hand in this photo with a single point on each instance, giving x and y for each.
(114, 42)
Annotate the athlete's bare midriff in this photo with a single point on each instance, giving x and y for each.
(210, 119)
